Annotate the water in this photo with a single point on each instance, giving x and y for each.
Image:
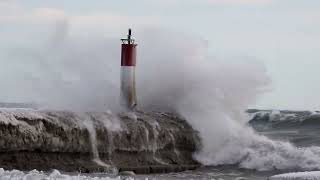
(301, 128)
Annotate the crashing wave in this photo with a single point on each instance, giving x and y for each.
(252, 151)
(313, 175)
(277, 117)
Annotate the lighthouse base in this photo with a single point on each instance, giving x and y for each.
(128, 87)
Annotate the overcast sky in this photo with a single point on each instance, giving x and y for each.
(284, 34)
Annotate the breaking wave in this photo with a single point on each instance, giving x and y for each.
(290, 118)
(313, 175)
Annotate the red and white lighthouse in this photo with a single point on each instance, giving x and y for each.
(128, 65)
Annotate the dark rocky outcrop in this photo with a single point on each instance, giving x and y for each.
(143, 142)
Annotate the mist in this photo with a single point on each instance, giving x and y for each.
(62, 71)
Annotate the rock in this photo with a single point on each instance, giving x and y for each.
(68, 141)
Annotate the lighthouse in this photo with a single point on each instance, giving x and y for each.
(128, 64)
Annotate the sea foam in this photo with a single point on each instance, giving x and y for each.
(54, 175)
(313, 175)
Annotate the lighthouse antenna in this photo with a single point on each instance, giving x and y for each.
(129, 39)
(129, 36)
(129, 32)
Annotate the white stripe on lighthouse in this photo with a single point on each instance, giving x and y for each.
(128, 90)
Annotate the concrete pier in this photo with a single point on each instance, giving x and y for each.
(143, 142)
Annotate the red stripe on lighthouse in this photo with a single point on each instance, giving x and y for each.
(128, 55)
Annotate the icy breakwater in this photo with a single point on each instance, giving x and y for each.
(144, 142)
